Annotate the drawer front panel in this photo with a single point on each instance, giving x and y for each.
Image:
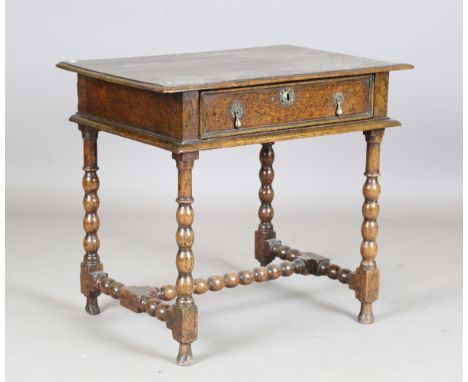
(285, 106)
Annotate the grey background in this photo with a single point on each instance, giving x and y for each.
(318, 196)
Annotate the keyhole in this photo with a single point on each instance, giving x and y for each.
(287, 97)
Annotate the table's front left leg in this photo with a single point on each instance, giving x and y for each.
(91, 262)
(184, 315)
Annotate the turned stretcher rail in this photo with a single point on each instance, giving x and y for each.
(152, 299)
(324, 267)
(138, 299)
(258, 274)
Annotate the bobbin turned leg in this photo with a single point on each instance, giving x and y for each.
(91, 262)
(366, 278)
(183, 318)
(265, 213)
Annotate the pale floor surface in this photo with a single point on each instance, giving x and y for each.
(300, 328)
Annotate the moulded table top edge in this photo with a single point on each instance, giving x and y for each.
(230, 141)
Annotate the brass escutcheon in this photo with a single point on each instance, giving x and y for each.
(287, 97)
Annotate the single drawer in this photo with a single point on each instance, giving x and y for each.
(230, 112)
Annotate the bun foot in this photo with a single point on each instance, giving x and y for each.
(185, 356)
(365, 315)
(92, 306)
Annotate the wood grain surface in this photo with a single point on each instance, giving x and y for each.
(313, 104)
(228, 68)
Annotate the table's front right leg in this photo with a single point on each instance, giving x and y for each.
(91, 262)
(366, 279)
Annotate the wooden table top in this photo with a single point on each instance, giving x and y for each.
(229, 68)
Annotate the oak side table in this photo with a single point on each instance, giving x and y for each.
(185, 103)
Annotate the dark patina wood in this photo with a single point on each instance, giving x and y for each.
(366, 279)
(173, 116)
(183, 316)
(192, 102)
(176, 73)
(91, 260)
(266, 194)
(313, 105)
(170, 102)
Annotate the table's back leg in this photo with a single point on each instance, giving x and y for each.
(265, 229)
(184, 315)
(91, 261)
(367, 276)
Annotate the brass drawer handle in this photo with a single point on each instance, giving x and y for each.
(339, 98)
(237, 112)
